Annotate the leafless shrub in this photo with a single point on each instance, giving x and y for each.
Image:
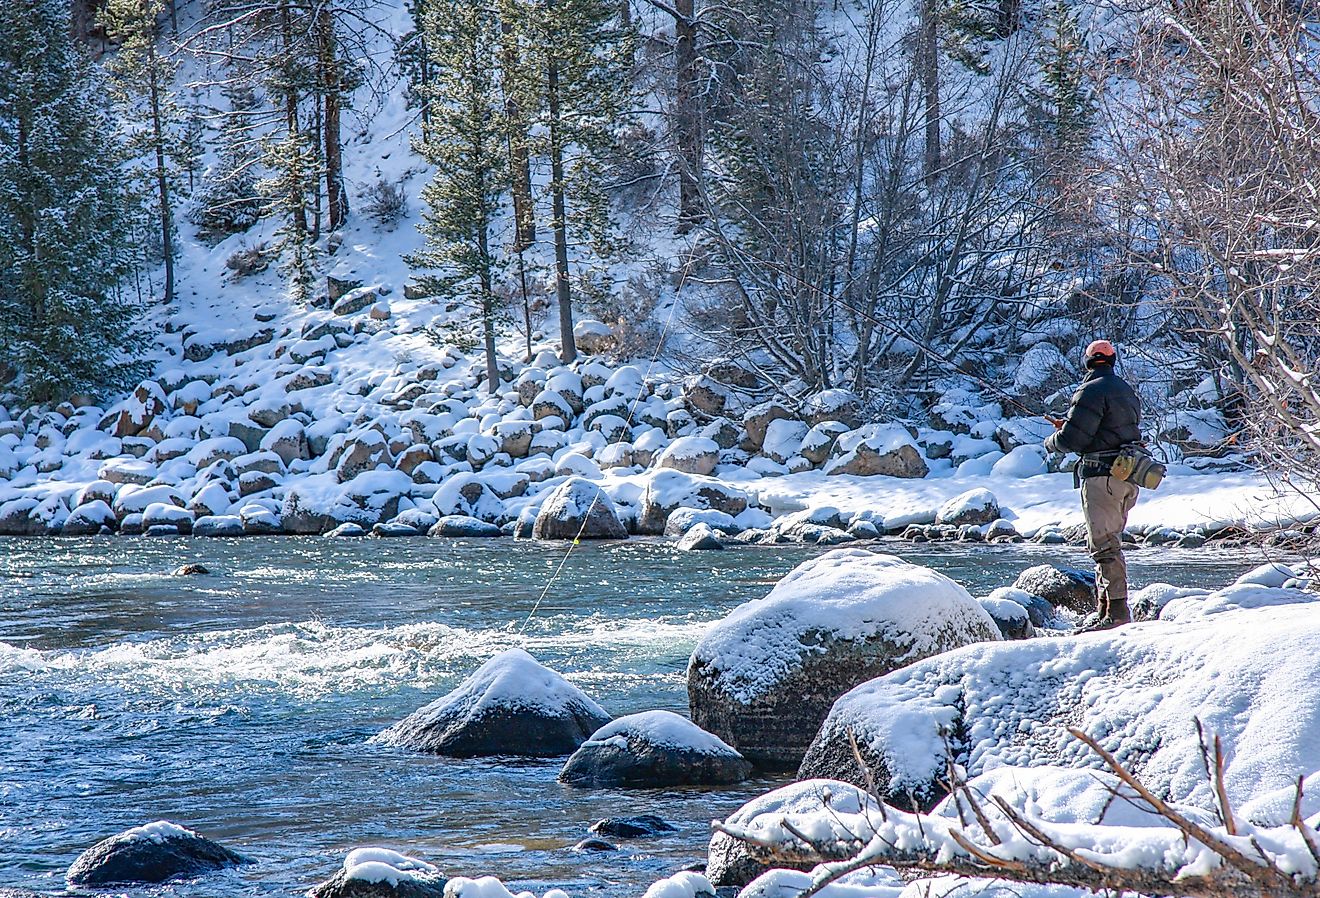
(249, 259)
(385, 202)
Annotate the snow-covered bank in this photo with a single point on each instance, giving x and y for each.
(304, 419)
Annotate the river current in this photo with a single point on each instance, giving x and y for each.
(240, 702)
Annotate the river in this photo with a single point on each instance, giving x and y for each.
(240, 702)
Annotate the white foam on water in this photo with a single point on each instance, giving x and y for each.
(313, 658)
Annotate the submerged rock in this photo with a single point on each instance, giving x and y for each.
(595, 845)
(188, 570)
(700, 537)
(578, 509)
(156, 852)
(638, 827)
(382, 873)
(652, 750)
(1061, 587)
(764, 678)
(511, 705)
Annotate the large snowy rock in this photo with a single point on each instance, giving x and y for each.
(578, 509)
(510, 706)
(382, 873)
(1240, 660)
(652, 750)
(667, 491)
(690, 455)
(833, 405)
(764, 678)
(878, 449)
(783, 439)
(978, 506)
(156, 852)
(89, 519)
(729, 863)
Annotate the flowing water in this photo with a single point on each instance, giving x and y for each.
(240, 702)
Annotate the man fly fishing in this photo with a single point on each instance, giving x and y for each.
(1103, 417)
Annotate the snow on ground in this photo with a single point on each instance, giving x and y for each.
(1187, 499)
(1240, 660)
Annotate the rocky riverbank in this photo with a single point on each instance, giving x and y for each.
(295, 423)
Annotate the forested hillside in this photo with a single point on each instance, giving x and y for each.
(931, 206)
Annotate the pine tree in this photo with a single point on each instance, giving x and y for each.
(64, 325)
(228, 200)
(464, 142)
(1065, 97)
(142, 76)
(586, 56)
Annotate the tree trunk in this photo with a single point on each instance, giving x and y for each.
(298, 217)
(688, 120)
(520, 159)
(488, 314)
(332, 89)
(568, 348)
(162, 181)
(928, 67)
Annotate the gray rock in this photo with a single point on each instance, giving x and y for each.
(978, 506)
(341, 885)
(578, 509)
(157, 852)
(218, 525)
(394, 529)
(770, 710)
(348, 529)
(700, 537)
(653, 750)
(458, 525)
(1061, 587)
(595, 845)
(638, 827)
(868, 461)
(191, 570)
(490, 713)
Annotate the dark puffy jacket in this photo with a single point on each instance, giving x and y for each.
(1105, 414)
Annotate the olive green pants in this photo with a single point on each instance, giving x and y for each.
(1106, 502)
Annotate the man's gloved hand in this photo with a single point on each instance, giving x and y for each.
(1051, 443)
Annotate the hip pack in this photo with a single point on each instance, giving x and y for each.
(1135, 465)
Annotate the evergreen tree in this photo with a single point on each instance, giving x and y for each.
(465, 143)
(586, 55)
(228, 200)
(142, 76)
(64, 325)
(1064, 97)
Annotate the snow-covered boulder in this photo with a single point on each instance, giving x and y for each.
(878, 450)
(1240, 660)
(652, 750)
(764, 678)
(156, 852)
(783, 439)
(1012, 618)
(729, 863)
(700, 537)
(690, 455)
(666, 491)
(756, 420)
(819, 441)
(459, 525)
(592, 336)
(363, 452)
(382, 873)
(833, 405)
(511, 705)
(706, 395)
(978, 506)
(1061, 587)
(219, 525)
(578, 509)
(89, 519)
